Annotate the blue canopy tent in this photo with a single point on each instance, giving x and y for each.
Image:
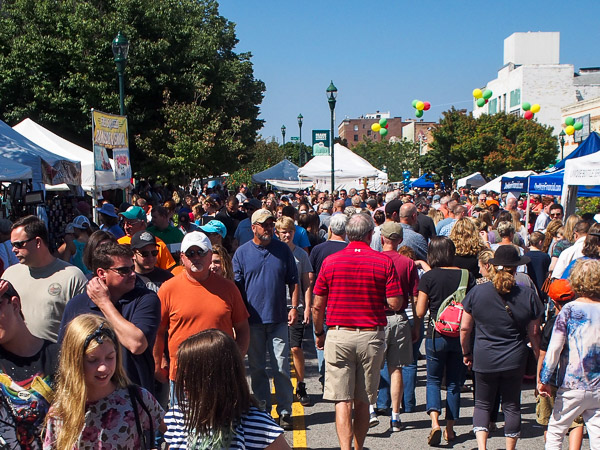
(283, 175)
(424, 181)
(552, 184)
(12, 171)
(590, 145)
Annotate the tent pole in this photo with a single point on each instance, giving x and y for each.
(94, 193)
(528, 204)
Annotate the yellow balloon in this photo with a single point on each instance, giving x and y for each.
(570, 129)
(535, 108)
(477, 93)
(376, 127)
(420, 105)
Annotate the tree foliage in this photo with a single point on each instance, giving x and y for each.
(394, 157)
(192, 102)
(490, 144)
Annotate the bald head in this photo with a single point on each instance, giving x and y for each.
(408, 213)
(339, 205)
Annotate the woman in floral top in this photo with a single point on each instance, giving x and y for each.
(93, 408)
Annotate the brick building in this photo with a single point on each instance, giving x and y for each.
(359, 130)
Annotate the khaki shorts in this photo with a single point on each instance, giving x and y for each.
(544, 407)
(353, 362)
(398, 340)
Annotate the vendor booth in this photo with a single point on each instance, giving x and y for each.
(496, 184)
(283, 175)
(474, 180)
(587, 147)
(584, 171)
(351, 171)
(424, 181)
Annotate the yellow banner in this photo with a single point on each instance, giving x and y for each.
(110, 131)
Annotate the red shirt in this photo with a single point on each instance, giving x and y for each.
(357, 281)
(407, 274)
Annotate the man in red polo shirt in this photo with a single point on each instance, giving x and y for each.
(356, 285)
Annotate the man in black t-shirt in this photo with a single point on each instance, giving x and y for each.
(27, 367)
(145, 253)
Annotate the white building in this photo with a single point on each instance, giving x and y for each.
(532, 73)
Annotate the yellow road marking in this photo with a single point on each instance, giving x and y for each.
(299, 433)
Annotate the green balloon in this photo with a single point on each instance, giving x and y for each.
(383, 131)
(480, 101)
(578, 125)
(487, 94)
(414, 103)
(419, 113)
(569, 121)
(526, 106)
(382, 122)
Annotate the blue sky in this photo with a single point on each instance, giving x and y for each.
(382, 55)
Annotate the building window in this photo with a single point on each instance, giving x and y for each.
(355, 127)
(515, 97)
(356, 138)
(363, 126)
(368, 132)
(493, 106)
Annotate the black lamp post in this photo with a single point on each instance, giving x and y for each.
(331, 96)
(562, 135)
(283, 133)
(120, 48)
(301, 152)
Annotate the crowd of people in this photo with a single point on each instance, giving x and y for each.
(132, 332)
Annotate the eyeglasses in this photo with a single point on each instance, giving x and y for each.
(192, 253)
(21, 244)
(148, 253)
(266, 224)
(556, 214)
(123, 271)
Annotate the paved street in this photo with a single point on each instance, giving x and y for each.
(315, 425)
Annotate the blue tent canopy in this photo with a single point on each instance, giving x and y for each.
(283, 170)
(552, 184)
(424, 181)
(590, 145)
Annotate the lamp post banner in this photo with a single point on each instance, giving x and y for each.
(320, 142)
(109, 131)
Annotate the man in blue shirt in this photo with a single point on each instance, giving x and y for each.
(132, 310)
(412, 239)
(262, 269)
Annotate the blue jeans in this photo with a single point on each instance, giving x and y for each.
(384, 400)
(409, 374)
(272, 338)
(321, 355)
(444, 353)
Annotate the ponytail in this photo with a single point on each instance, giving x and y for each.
(503, 279)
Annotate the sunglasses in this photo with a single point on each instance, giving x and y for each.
(192, 253)
(556, 215)
(148, 253)
(123, 271)
(21, 244)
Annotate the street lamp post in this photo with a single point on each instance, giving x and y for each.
(562, 135)
(283, 133)
(301, 152)
(331, 96)
(120, 48)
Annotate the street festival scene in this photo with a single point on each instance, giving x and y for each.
(231, 227)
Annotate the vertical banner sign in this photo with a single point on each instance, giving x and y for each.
(110, 132)
(320, 142)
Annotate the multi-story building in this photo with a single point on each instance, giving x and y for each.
(587, 112)
(359, 130)
(421, 132)
(532, 73)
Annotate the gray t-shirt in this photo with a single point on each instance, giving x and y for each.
(304, 266)
(44, 293)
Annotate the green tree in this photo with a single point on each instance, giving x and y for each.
(490, 144)
(395, 157)
(192, 102)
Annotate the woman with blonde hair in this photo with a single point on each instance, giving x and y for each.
(94, 401)
(221, 262)
(551, 233)
(568, 239)
(436, 215)
(468, 243)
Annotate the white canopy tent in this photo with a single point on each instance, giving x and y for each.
(350, 171)
(496, 183)
(475, 180)
(583, 171)
(56, 144)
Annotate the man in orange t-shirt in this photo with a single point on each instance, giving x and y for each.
(197, 300)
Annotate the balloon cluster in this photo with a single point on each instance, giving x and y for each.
(420, 107)
(530, 110)
(406, 182)
(482, 97)
(381, 127)
(572, 126)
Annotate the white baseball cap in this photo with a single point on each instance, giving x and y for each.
(196, 238)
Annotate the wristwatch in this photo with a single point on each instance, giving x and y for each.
(321, 333)
(294, 307)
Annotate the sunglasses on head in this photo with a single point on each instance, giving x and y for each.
(21, 244)
(123, 271)
(192, 253)
(145, 254)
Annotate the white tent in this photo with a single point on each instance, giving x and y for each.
(583, 171)
(11, 170)
(475, 180)
(48, 140)
(350, 170)
(496, 183)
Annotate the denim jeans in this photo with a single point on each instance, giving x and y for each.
(272, 338)
(444, 353)
(321, 355)
(409, 374)
(384, 400)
